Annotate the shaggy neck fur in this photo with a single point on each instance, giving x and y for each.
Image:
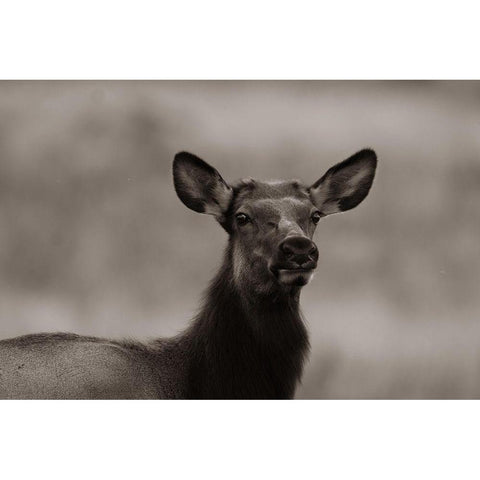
(243, 345)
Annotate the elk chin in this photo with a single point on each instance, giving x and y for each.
(297, 278)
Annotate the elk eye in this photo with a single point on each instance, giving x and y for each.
(316, 216)
(242, 219)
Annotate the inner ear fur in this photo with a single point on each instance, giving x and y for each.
(346, 184)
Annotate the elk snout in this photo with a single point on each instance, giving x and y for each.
(300, 252)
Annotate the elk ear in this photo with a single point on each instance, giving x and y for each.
(346, 184)
(199, 186)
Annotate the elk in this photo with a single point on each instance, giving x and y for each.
(249, 340)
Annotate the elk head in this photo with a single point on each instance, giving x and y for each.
(271, 223)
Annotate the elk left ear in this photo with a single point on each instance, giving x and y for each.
(346, 184)
(199, 186)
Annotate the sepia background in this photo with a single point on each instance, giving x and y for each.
(93, 239)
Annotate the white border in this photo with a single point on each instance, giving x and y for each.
(240, 439)
(252, 39)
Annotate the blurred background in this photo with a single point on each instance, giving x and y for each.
(93, 239)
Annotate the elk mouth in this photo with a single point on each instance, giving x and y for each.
(293, 276)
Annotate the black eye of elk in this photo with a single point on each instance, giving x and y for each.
(242, 219)
(316, 216)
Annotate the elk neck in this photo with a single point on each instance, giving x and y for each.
(243, 344)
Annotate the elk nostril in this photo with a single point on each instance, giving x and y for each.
(308, 264)
(298, 246)
(288, 251)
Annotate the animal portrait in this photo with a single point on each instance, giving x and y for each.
(238, 240)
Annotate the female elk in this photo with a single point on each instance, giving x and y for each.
(249, 340)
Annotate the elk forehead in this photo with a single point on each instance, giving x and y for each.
(273, 199)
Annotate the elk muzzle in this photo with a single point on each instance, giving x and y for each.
(295, 261)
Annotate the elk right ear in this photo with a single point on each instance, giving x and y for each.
(199, 186)
(346, 184)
